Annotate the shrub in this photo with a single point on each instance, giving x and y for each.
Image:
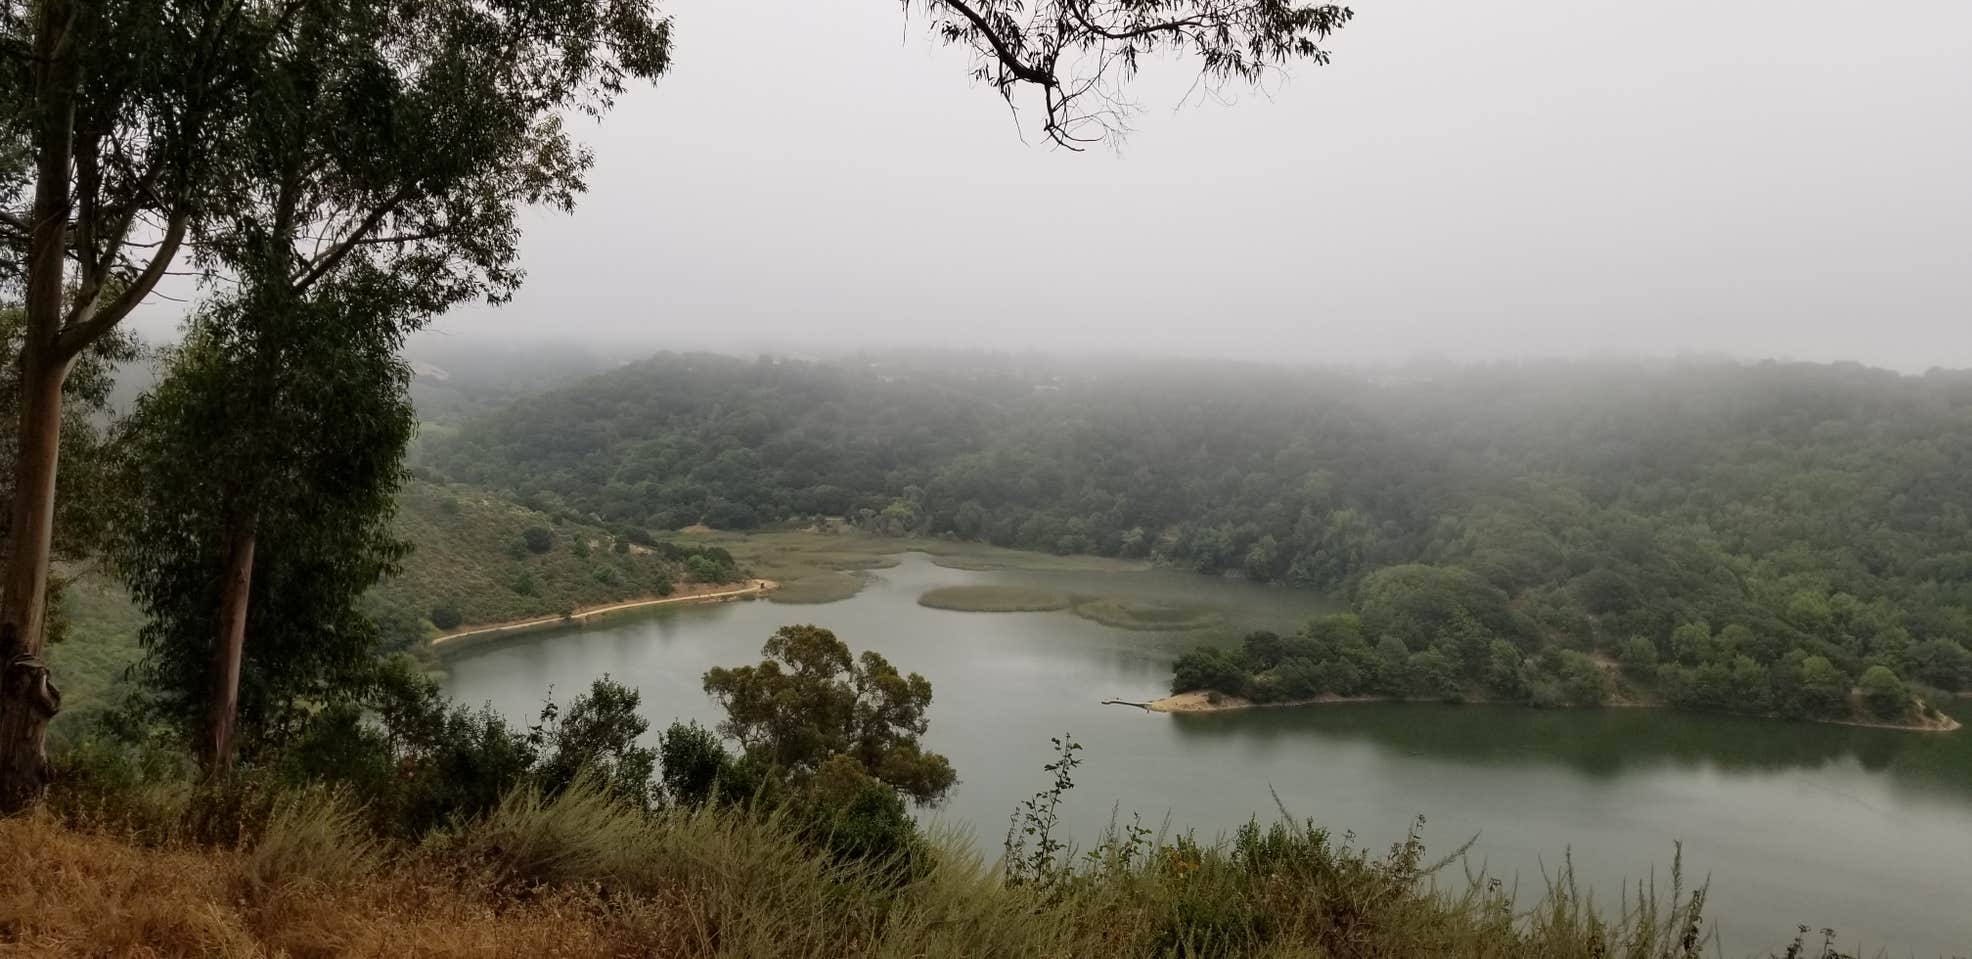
(139, 787)
(313, 837)
(581, 834)
(1884, 693)
(1583, 683)
(856, 818)
(703, 569)
(537, 539)
(1207, 669)
(597, 735)
(693, 761)
(1432, 675)
(1639, 657)
(446, 616)
(418, 761)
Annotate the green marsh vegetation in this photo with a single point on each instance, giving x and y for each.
(993, 599)
(1147, 616)
(824, 587)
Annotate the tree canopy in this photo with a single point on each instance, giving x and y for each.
(309, 477)
(810, 701)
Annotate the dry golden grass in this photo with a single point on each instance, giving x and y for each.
(72, 893)
(710, 884)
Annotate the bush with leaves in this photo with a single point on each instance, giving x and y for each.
(695, 764)
(419, 760)
(854, 817)
(1884, 693)
(597, 736)
(809, 700)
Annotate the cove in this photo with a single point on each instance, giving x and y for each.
(1863, 830)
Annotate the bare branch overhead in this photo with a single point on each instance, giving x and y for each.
(1079, 53)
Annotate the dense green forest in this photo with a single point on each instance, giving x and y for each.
(1748, 524)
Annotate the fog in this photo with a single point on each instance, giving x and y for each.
(1550, 177)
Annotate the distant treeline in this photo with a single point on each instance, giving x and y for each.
(1737, 517)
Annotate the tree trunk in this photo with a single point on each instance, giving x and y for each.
(27, 699)
(229, 647)
(32, 527)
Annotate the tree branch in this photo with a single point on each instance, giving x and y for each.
(1005, 54)
(328, 261)
(91, 322)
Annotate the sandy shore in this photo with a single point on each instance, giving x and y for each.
(1201, 702)
(691, 595)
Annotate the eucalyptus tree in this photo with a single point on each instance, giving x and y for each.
(289, 144)
(86, 409)
(262, 475)
(411, 142)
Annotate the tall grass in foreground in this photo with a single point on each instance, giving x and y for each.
(578, 874)
(132, 857)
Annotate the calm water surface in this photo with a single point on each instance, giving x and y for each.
(1868, 831)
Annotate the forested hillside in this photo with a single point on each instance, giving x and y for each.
(1820, 509)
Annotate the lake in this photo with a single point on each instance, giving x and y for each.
(1865, 830)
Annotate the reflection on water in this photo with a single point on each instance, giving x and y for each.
(1864, 830)
(1608, 743)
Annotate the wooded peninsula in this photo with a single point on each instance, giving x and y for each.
(1774, 539)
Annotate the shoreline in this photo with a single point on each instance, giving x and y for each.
(753, 587)
(1200, 702)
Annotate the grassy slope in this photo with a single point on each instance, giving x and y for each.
(464, 555)
(579, 877)
(101, 644)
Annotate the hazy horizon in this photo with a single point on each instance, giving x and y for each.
(1744, 181)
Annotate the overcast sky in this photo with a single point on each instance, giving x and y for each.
(1545, 177)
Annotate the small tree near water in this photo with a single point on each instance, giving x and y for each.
(1884, 693)
(809, 700)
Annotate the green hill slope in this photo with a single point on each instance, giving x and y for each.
(476, 558)
(480, 558)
